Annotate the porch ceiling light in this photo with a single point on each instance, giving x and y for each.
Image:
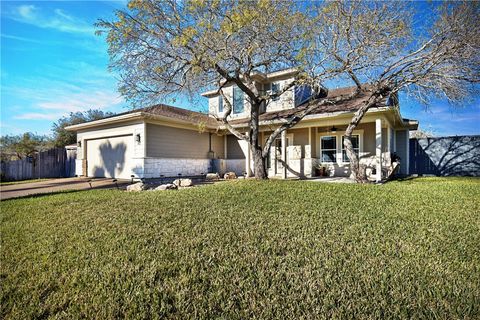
(333, 130)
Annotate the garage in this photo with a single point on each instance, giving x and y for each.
(110, 157)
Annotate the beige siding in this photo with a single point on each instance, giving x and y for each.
(300, 138)
(218, 146)
(169, 142)
(401, 144)
(384, 139)
(234, 151)
(368, 137)
(314, 142)
(367, 129)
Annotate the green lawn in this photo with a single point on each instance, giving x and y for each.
(246, 249)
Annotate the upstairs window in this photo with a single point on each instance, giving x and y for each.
(220, 104)
(302, 94)
(329, 149)
(275, 89)
(356, 147)
(238, 100)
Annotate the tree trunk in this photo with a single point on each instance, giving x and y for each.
(259, 166)
(358, 172)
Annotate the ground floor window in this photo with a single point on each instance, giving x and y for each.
(328, 149)
(356, 147)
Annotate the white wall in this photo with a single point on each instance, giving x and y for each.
(228, 91)
(285, 101)
(133, 128)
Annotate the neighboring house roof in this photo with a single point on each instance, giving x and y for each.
(180, 115)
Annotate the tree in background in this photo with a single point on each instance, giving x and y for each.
(62, 137)
(170, 47)
(17, 147)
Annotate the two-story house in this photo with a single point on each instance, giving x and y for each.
(163, 141)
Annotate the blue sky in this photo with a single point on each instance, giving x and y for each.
(52, 64)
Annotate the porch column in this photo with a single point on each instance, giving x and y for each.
(248, 158)
(284, 154)
(378, 140)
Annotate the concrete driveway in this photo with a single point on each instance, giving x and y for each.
(56, 185)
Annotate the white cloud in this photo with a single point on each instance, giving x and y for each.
(59, 106)
(63, 14)
(70, 87)
(27, 11)
(36, 116)
(58, 20)
(82, 101)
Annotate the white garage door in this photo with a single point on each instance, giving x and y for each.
(110, 157)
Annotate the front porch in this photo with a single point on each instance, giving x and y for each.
(315, 149)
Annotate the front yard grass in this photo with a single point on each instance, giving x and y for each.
(246, 249)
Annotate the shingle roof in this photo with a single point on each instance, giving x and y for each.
(195, 117)
(173, 113)
(346, 106)
(178, 113)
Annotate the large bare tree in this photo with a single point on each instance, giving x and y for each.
(387, 47)
(168, 47)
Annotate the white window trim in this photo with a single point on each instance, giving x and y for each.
(339, 135)
(279, 84)
(233, 101)
(220, 97)
(336, 147)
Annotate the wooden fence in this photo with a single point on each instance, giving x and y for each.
(53, 163)
(446, 156)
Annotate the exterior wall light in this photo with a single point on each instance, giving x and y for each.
(137, 137)
(79, 143)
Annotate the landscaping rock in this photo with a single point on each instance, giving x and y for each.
(167, 186)
(183, 182)
(139, 186)
(230, 176)
(212, 177)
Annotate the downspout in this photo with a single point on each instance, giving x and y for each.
(209, 142)
(211, 167)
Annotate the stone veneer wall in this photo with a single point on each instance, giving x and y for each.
(300, 168)
(171, 167)
(227, 165)
(343, 169)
